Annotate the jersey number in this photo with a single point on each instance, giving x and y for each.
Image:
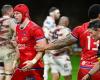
(95, 43)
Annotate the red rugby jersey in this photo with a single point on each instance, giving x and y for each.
(89, 45)
(26, 39)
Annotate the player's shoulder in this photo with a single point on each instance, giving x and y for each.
(12, 20)
(49, 20)
(78, 27)
(82, 27)
(67, 29)
(34, 26)
(2, 19)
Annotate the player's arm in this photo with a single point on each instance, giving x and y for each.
(66, 41)
(67, 49)
(12, 24)
(39, 36)
(97, 65)
(95, 68)
(48, 23)
(39, 54)
(70, 39)
(14, 44)
(40, 39)
(92, 71)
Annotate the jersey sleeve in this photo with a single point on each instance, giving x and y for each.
(37, 33)
(46, 32)
(12, 24)
(76, 32)
(48, 23)
(66, 31)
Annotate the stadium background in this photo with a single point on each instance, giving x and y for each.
(76, 10)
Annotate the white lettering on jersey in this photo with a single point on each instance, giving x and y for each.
(95, 43)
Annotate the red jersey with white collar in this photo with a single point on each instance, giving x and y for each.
(88, 44)
(26, 39)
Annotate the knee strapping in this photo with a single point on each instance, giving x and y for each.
(2, 74)
(8, 73)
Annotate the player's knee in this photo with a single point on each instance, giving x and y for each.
(2, 73)
(8, 73)
(69, 77)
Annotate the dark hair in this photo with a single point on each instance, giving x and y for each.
(5, 8)
(52, 9)
(94, 24)
(93, 11)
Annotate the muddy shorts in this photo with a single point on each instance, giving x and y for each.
(7, 54)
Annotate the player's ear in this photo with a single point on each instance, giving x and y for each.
(99, 15)
(51, 13)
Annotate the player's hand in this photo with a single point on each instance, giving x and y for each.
(28, 65)
(40, 47)
(86, 77)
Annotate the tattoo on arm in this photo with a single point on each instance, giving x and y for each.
(70, 39)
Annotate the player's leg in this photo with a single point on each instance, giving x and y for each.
(46, 71)
(2, 71)
(68, 77)
(54, 72)
(67, 73)
(55, 76)
(64, 66)
(46, 66)
(8, 71)
(8, 66)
